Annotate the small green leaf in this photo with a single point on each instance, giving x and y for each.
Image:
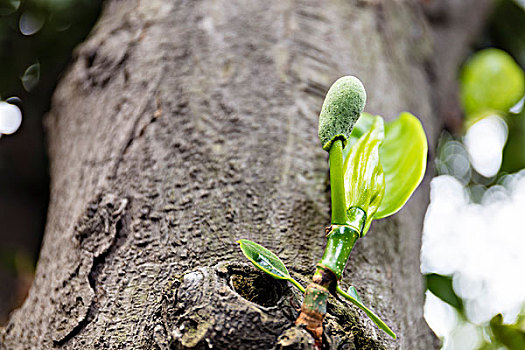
(353, 293)
(264, 259)
(267, 261)
(363, 175)
(403, 156)
(490, 81)
(379, 323)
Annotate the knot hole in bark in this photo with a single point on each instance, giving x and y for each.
(257, 287)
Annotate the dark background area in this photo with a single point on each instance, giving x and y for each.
(24, 183)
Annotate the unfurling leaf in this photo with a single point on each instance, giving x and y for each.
(266, 261)
(361, 127)
(402, 156)
(357, 302)
(363, 175)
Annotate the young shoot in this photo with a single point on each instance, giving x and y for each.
(374, 169)
(342, 107)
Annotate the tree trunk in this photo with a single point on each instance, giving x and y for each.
(183, 126)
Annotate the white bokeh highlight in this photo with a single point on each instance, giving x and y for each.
(10, 118)
(484, 142)
(482, 246)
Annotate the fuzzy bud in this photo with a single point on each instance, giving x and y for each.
(342, 106)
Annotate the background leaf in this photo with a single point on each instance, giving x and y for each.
(507, 334)
(403, 156)
(441, 287)
(490, 81)
(514, 151)
(507, 28)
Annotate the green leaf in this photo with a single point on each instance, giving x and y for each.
(363, 175)
(364, 123)
(441, 287)
(487, 345)
(355, 300)
(507, 334)
(403, 156)
(264, 259)
(353, 293)
(490, 81)
(267, 261)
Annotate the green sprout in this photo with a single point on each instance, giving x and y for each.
(342, 107)
(374, 169)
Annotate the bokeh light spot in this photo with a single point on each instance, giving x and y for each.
(484, 142)
(10, 118)
(30, 23)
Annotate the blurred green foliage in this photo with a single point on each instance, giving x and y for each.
(514, 151)
(496, 333)
(507, 29)
(491, 81)
(441, 286)
(510, 335)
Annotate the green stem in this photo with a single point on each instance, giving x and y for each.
(295, 283)
(341, 240)
(337, 183)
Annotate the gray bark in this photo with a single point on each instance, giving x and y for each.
(183, 126)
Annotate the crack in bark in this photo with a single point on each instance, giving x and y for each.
(76, 330)
(133, 134)
(101, 219)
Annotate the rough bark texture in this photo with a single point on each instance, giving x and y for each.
(183, 126)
